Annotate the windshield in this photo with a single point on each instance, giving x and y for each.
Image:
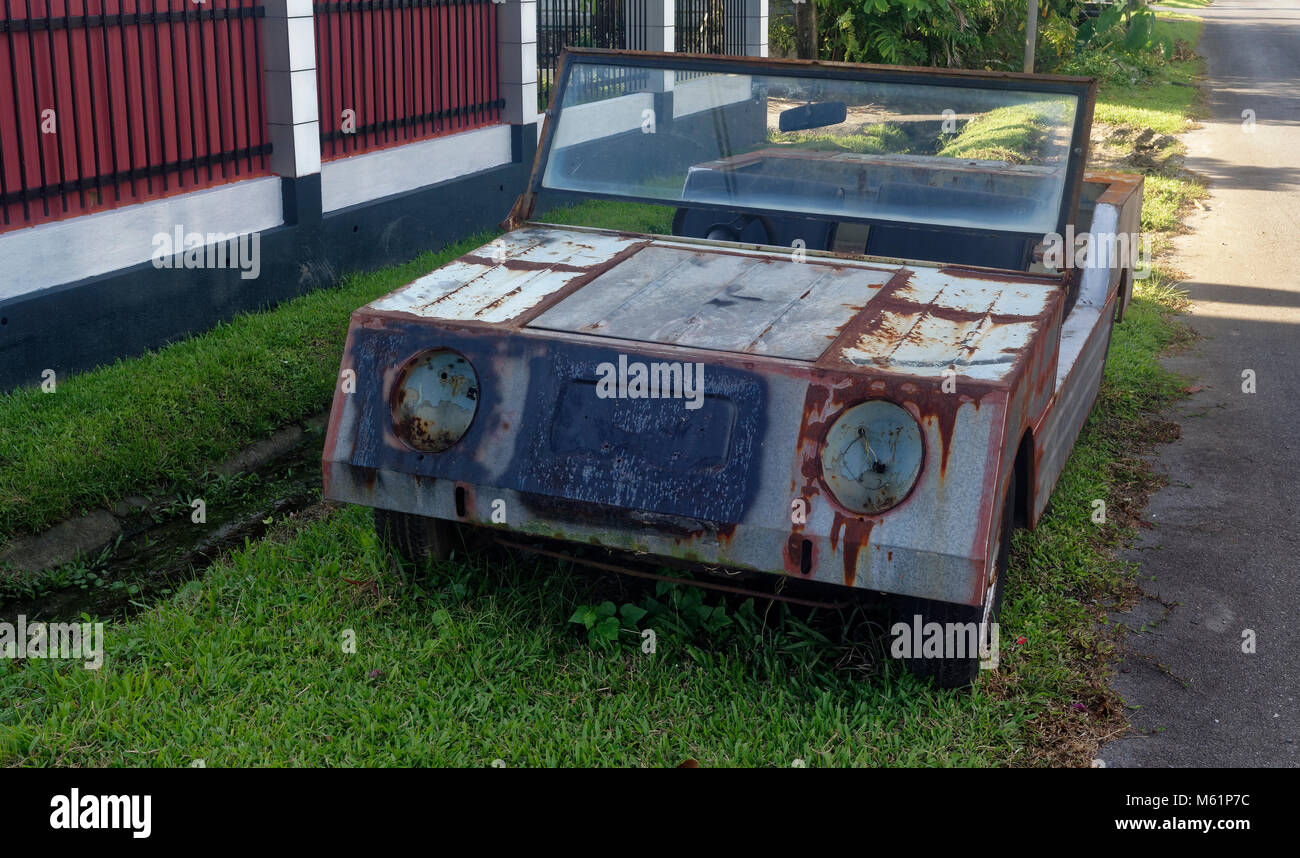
(865, 145)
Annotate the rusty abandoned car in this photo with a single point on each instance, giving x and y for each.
(855, 361)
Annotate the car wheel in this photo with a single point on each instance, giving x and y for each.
(414, 538)
(961, 672)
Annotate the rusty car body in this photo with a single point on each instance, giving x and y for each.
(890, 376)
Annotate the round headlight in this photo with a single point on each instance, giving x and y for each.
(872, 456)
(435, 400)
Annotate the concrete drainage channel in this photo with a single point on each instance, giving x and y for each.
(109, 563)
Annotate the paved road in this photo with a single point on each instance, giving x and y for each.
(1225, 546)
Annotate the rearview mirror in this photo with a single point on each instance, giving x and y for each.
(817, 115)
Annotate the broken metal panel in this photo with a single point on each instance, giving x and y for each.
(923, 343)
(761, 303)
(925, 572)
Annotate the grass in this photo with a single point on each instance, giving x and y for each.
(247, 666)
(1162, 101)
(1165, 199)
(1162, 98)
(883, 138)
(632, 217)
(1013, 134)
(158, 420)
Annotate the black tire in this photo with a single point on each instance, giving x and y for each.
(416, 539)
(962, 672)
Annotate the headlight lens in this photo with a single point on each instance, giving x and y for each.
(872, 456)
(435, 400)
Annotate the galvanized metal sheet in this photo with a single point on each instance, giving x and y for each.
(954, 292)
(925, 344)
(764, 304)
(506, 278)
(760, 303)
(937, 321)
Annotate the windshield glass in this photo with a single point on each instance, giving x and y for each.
(964, 155)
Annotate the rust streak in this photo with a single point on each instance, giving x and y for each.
(523, 264)
(864, 321)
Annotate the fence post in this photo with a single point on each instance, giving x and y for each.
(289, 82)
(517, 26)
(655, 31)
(754, 25)
(660, 25)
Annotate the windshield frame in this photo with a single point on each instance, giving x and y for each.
(1083, 88)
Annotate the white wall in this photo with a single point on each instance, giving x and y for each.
(65, 251)
(360, 178)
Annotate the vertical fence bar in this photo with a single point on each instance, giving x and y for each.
(22, 161)
(59, 118)
(158, 93)
(230, 68)
(144, 99)
(126, 122)
(72, 77)
(36, 109)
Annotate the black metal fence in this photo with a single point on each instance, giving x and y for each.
(584, 24)
(710, 27)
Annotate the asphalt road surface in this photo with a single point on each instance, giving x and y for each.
(1221, 564)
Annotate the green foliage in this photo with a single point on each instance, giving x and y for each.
(1129, 28)
(990, 34)
(683, 611)
(603, 622)
(904, 32)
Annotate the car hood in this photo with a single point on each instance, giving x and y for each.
(913, 318)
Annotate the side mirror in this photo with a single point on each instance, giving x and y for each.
(817, 115)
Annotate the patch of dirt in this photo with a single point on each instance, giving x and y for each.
(1143, 150)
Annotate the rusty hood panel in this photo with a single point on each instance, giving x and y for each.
(915, 320)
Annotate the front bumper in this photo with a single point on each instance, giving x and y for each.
(837, 558)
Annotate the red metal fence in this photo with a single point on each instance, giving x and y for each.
(394, 71)
(109, 102)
